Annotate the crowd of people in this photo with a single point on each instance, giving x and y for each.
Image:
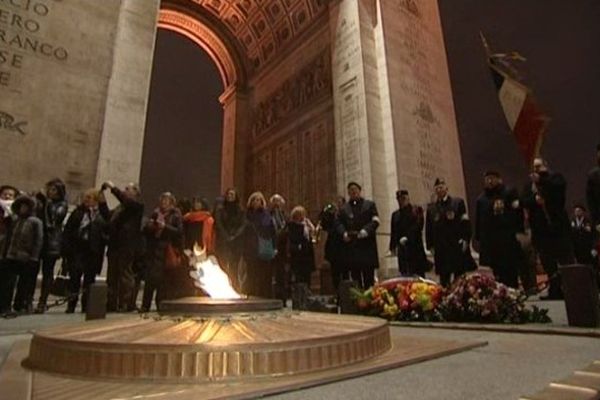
(259, 244)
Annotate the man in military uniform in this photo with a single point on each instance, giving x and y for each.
(447, 234)
(406, 240)
(357, 223)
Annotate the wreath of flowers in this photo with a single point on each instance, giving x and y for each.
(471, 298)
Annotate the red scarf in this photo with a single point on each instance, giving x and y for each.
(208, 237)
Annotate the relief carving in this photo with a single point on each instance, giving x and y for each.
(310, 83)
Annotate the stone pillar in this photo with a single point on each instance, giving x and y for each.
(53, 90)
(394, 115)
(235, 141)
(120, 155)
(364, 140)
(425, 130)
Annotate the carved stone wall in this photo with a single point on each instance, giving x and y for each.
(73, 89)
(425, 131)
(312, 83)
(53, 90)
(264, 28)
(292, 135)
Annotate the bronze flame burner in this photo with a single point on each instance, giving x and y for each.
(204, 340)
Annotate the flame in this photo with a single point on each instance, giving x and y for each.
(208, 275)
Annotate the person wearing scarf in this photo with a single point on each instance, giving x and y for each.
(198, 226)
(84, 242)
(259, 247)
(163, 229)
(300, 246)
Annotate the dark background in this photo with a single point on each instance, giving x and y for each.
(182, 146)
(560, 39)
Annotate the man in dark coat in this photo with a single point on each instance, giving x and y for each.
(544, 199)
(447, 234)
(584, 236)
(125, 246)
(498, 228)
(406, 240)
(357, 223)
(334, 246)
(593, 192)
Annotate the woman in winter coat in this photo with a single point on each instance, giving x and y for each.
(52, 210)
(85, 236)
(163, 232)
(19, 256)
(230, 225)
(300, 246)
(259, 247)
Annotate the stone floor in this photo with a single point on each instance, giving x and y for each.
(512, 364)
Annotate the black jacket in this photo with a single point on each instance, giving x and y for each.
(593, 194)
(125, 223)
(356, 216)
(484, 211)
(549, 222)
(90, 238)
(447, 224)
(583, 236)
(406, 222)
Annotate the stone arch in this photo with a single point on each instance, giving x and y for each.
(233, 74)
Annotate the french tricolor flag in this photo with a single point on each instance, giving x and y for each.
(525, 119)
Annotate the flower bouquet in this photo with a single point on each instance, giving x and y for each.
(402, 299)
(479, 298)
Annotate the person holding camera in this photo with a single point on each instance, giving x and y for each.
(357, 223)
(125, 245)
(164, 234)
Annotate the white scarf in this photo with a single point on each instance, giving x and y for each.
(6, 204)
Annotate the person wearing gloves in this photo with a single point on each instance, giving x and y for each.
(357, 223)
(406, 240)
(448, 233)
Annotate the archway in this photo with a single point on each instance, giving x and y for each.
(183, 134)
(197, 28)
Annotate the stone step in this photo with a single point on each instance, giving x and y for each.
(584, 384)
(563, 393)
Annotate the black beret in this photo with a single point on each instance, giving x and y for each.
(353, 184)
(400, 193)
(492, 172)
(439, 181)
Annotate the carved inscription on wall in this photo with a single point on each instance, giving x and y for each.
(424, 125)
(54, 73)
(352, 162)
(22, 27)
(311, 83)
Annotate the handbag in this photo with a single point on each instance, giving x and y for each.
(173, 257)
(60, 284)
(266, 250)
